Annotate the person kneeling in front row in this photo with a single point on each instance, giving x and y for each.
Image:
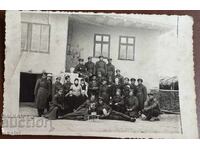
(151, 109)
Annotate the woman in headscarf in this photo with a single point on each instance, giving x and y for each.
(41, 93)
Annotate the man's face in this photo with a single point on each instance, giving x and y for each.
(109, 61)
(99, 74)
(104, 82)
(89, 60)
(131, 93)
(100, 101)
(60, 92)
(126, 81)
(44, 76)
(58, 79)
(76, 82)
(92, 98)
(101, 58)
(48, 78)
(139, 82)
(118, 72)
(150, 96)
(117, 92)
(116, 80)
(132, 82)
(81, 62)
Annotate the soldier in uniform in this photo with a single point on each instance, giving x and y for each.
(81, 68)
(57, 85)
(67, 84)
(133, 86)
(126, 87)
(57, 106)
(93, 86)
(90, 66)
(103, 91)
(101, 66)
(131, 105)
(41, 93)
(117, 102)
(106, 112)
(151, 108)
(110, 69)
(82, 112)
(119, 76)
(116, 86)
(141, 93)
(49, 79)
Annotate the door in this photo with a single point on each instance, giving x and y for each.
(27, 85)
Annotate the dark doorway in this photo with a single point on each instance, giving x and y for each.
(27, 85)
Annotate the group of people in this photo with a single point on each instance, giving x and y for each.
(101, 91)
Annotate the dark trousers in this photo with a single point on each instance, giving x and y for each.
(114, 115)
(151, 113)
(40, 112)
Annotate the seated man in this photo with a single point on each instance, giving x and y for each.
(117, 102)
(57, 106)
(106, 112)
(84, 86)
(82, 112)
(76, 91)
(69, 102)
(151, 108)
(57, 85)
(131, 105)
(93, 86)
(119, 76)
(103, 91)
(67, 84)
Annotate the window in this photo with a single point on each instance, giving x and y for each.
(126, 48)
(101, 45)
(35, 37)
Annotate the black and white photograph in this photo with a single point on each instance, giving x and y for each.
(99, 74)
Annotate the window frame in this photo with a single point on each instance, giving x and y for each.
(101, 42)
(29, 37)
(126, 44)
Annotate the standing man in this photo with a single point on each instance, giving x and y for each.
(81, 68)
(141, 93)
(133, 86)
(101, 66)
(49, 79)
(41, 93)
(90, 66)
(110, 69)
(119, 76)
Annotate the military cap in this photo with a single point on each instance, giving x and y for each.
(66, 77)
(101, 56)
(140, 79)
(133, 79)
(80, 59)
(126, 78)
(117, 70)
(49, 75)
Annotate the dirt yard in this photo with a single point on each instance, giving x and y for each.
(168, 124)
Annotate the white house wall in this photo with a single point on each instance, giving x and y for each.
(145, 49)
(18, 61)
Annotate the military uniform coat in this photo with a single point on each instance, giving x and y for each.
(141, 95)
(102, 67)
(110, 70)
(41, 93)
(90, 66)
